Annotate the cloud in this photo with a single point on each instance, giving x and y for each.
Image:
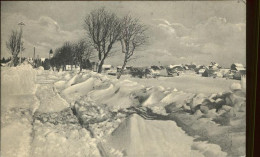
(212, 39)
(43, 33)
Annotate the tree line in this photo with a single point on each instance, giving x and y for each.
(77, 53)
(104, 29)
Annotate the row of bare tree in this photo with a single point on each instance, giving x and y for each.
(104, 29)
(71, 54)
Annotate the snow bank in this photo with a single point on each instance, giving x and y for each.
(145, 138)
(97, 99)
(208, 150)
(18, 80)
(58, 134)
(235, 86)
(50, 100)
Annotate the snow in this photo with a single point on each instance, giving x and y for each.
(239, 65)
(145, 138)
(50, 101)
(235, 86)
(208, 150)
(16, 139)
(18, 80)
(89, 114)
(191, 83)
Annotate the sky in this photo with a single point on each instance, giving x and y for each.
(180, 32)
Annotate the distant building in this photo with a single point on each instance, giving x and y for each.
(118, 68)
(50, 54)
(237, 67)
(191, 66)
(176, 67)
(43, 59)
(238, 70)
(214, 66)
(174, 70)
(106, 67)
(200, 69)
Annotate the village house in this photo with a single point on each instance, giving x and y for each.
(127, 69)
(212, 70)
(200, 69)
(238, 70)
(191, 66)
(174, 70)
(106, 67)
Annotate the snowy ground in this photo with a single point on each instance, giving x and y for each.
(67, 114)
(187, 82)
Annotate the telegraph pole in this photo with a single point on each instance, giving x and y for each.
(21, 24)
(34, 56)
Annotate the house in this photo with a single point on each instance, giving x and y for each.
(112, 72)
(208, 73)
(127, 69)
(43, 59)
(191, 66)
(226, 73)
(213, 70)
(239, 74)
(174, 70)
(118, 68)
(154, 67)
(138, 72)
(238, 70)
(214, 66)
(237, 67)
(200, 69)
(176, 67)
(106, 67)
(186, 67)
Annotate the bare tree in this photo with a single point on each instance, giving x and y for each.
(132, 37)
(103, 29)
(82, 51)
(15, 46)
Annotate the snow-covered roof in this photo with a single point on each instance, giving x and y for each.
(106, 66)
(173, 66)
(202, 70)
(239, 68)
(239, 65)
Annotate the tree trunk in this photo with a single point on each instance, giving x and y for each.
(122, 70)
(80, 66)
(100, 66)
(124, 64)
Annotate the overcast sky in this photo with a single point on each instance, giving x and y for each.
(179, 32)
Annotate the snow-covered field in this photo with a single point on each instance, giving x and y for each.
(67, 114)
(188, 82)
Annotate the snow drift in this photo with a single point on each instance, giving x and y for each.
(146, 138)
(18, 80)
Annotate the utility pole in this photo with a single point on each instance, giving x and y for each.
(21, 24)
(34, 56)
(33, 53)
